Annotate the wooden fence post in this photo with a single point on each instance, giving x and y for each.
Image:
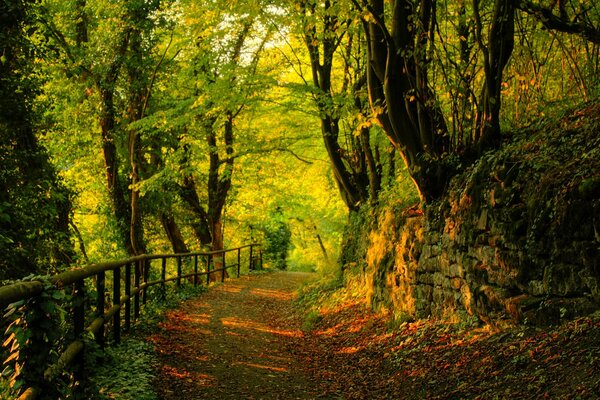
(128, 294)
(100, 305)
(78, 324)
(145, 274)
(208, 270)
(178, 271)
(224, 266)
(251, 266)
(196, 270)
(239, 251)
(117, 300)
(136, 285)
(163, 275)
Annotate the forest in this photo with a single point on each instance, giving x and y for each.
(433, 159)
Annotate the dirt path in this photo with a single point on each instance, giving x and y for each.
(235, 342)
(242, 340)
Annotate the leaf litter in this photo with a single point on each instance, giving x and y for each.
(245, 339)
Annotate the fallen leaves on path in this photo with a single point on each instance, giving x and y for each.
(361, 357)
(242, 340)
(230, 343)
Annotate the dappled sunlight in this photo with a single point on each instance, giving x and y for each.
(203, 380)
(234, 342)
(348, 350)
(237, 323)
(231, 288)
(440, 337)
(193, 377)
(202, 319)
(341, 306)
(174, 372)
(273, 294)
(331, 331)
(261, 366)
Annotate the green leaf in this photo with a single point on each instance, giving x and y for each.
(48, 307)
(58, 295)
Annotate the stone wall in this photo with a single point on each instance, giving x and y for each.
(516, 238)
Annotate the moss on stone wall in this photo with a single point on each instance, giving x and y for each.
(516, 237)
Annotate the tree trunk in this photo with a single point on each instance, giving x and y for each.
(174, 234)
(199, 226)
(399, 91)
(219, 184)
(115, 185)
(354, 169)
(189, 194)
(136, 103)
(496, 55)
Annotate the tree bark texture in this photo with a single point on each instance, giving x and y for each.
(354, 169)
(496, 54)
(173, 233)
(399, 90)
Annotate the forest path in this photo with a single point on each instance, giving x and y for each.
(242, 340)
(236, 341)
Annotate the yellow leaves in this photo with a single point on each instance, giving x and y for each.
(368, 17)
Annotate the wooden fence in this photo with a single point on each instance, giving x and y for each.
(130, 281)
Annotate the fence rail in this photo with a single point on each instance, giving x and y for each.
(130, 281)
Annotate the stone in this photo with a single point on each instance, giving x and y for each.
(482, 222)
(457, 270)
(456, 283)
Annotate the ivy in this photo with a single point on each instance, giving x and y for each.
(36, 329)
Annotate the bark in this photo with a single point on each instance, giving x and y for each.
(399, 91)
(80, 241)
(321, 245)
(354, 169)
(578, 25)
(219, 183)
(116, 186)
(174, 234)
(200, 227)
(136, 105)
(496, 55)
(81, 24)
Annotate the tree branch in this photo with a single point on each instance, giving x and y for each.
(560, 22)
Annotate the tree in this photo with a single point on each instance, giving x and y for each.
(34, 204)
(406, 51)
(115, 60)
(222, 91)
(355, 167)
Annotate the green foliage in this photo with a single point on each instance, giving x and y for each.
(125, 372)
(310, 320)
(35, 333)
(277, 240)
(34, 205)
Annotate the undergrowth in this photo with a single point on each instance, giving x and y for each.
(126, 371)
(330, 293)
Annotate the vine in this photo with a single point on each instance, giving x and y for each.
(35, 330)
